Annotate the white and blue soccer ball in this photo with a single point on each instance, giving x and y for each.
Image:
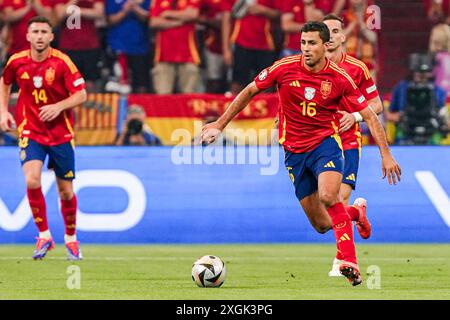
(209, 271)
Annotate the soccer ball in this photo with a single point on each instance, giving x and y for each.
(209, 271)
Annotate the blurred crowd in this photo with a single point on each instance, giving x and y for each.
(218, 46)
(179, 46)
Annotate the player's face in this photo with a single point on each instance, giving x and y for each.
(39, 35)
(337, 37)
(313, 48)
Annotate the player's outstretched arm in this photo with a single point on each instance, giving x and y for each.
(6, 118)
(212, 130)
(51, 111)
(390, 167)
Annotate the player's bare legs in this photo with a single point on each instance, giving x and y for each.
(69, 213)
(32, 171)
(329, 183)
(65, 188)
(345, 192)
(316, 212)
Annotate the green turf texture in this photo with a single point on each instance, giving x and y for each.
(278, 271)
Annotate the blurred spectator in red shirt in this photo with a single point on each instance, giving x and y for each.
(17, 13)
(361, 41)
(4, 36)
(176, 52)
(254, 47)
(438, 11)
(79, 38)
(331, 6)
(294, 14)
(211, 16)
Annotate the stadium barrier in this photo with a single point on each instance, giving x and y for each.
(98, 119)
(168, 113)
(171, 195)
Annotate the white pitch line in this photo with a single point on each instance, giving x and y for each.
(228, 258)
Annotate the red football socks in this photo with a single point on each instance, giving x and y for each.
(69, 212)
(343, 232)
(37, 204)
(353, 212)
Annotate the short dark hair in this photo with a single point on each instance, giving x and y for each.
(321, 27)
(39, 19)
(333, 17)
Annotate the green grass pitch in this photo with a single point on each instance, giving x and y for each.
(278, 271)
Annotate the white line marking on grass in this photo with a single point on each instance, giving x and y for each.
(228, 258)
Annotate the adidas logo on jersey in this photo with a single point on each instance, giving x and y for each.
(295, 83)
(25, 76)
(330, 165)
(351, 177)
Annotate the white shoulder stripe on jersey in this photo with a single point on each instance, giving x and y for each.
(77, 82)
(371, 89)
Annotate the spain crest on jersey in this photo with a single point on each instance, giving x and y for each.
(37, 81)
(325, 88)
(309, 93)
(50, 76)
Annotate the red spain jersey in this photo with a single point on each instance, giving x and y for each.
(309, 101)
(43, 83)
(358, 71)
(255, 31)
(211, 9)
(175, 45)
(297, 8)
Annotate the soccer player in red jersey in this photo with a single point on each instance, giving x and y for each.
(50, 85)
(311, 87)
(350, 131)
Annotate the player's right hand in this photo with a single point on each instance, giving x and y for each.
(7, 122)
(210, 132)
(347, 121)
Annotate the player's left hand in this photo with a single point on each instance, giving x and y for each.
(49, 112)
(347, 121)
(391, 169)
